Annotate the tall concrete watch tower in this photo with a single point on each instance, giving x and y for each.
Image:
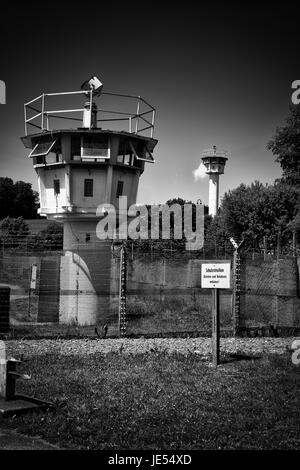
(79, 168)
(214, 161)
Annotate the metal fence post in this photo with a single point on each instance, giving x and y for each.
(236, 290)
(278, 243)
(122, 292)
(236, 294)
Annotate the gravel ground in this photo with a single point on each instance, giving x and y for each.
(201, 346)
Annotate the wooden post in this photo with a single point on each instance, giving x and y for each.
(216, 327)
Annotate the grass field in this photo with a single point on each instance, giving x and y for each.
(159, 400)
(172, 315)
(144, 317)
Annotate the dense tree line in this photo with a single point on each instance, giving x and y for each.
(15, 234)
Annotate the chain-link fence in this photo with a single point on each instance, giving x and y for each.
(163, 288)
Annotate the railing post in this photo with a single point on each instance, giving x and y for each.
(43, 110)
(91, 105)
(25, 119)
(153, 120)
(138, 115)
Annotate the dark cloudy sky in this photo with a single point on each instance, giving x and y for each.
(217, 74)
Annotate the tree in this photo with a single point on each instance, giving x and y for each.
(7, 195)
(53, 234)
(25, 202)
(285, 145)
(13, 231)
(17, 199)
(171, 244)
(257, 211)
(51, 238)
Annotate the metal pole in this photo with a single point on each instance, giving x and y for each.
(138, 116)
(236, 290)
(294, 243)
(120, 288)
(122, 292)
(25, 119)
(278, 243)
(91, 105)
(153, 120)
(265, 248)
(43, 109)
(216, 327)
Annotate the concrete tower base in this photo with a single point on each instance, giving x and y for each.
(85, 276)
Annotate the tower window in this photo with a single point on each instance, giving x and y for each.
(56, 186)
(39, 160)
(120, 189)
(87, 237)
(88, 187)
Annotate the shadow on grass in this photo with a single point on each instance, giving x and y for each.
(234, 357)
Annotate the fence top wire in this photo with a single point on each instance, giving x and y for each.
(38, 243)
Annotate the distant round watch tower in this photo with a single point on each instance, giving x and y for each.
(79, 168)
(214, 161)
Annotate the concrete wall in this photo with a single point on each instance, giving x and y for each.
(78, 175)
(270, 293)
(269, 289)
(89, 286)
(85, 287)
(175, 280)
(48, 198)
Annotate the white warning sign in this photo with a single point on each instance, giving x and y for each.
(215, 276)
